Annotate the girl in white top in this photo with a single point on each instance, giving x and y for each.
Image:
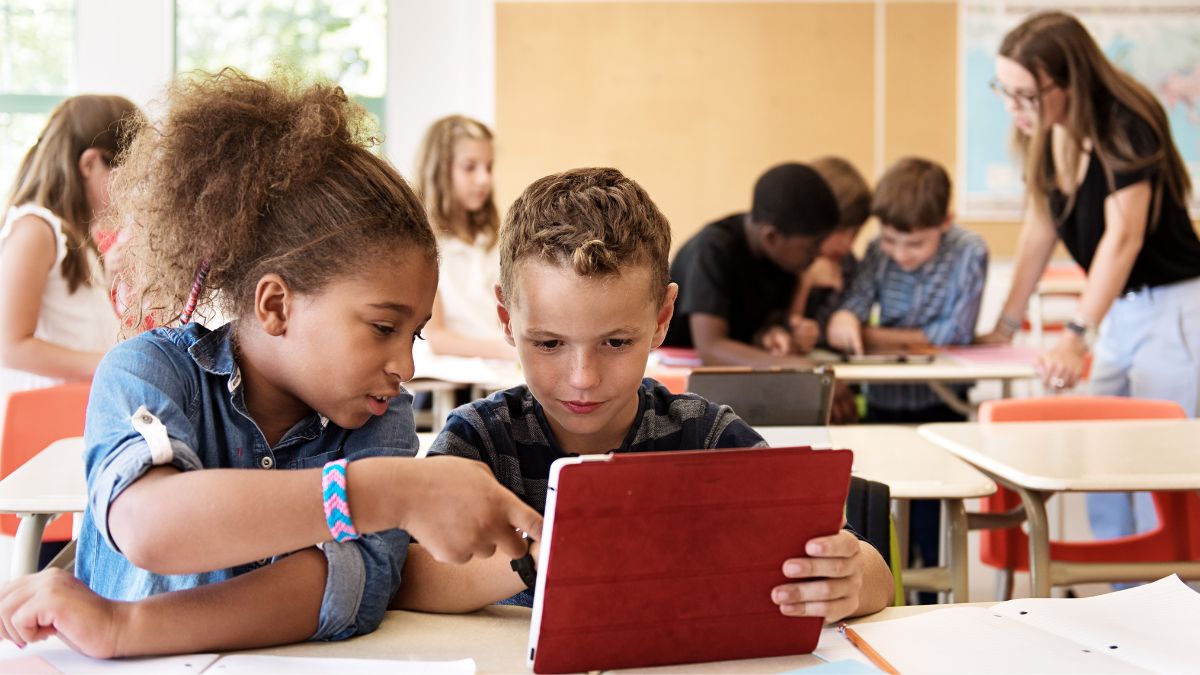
(454, 180)
(56, 318)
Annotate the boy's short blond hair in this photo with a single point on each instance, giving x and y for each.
(596, 221)
(913, 195)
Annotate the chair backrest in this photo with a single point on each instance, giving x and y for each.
(869, 512)
(34, 419)
(768, 397)
(1059, 408)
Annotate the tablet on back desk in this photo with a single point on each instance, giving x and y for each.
(662, 558)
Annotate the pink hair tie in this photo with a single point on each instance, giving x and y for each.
(194, 295)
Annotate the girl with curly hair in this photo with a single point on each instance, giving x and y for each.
(263, 199)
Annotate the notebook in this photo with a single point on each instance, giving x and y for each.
(664, 558)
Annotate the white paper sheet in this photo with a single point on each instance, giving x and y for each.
(54, 656)
(1152, 627)
(293, 665)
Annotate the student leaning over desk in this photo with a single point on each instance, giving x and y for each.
(192, 539)
(584, 296)
(1104, 176)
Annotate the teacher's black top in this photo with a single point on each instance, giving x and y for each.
(1171, 249)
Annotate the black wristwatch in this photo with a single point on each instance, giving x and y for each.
(525, 567)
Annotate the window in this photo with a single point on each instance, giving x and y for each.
(36, 72)
(342, 40)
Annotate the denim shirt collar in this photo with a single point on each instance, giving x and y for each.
(214, 353)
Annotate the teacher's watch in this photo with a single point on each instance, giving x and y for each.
(1083, 329)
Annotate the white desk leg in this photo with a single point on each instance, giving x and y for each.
(955, 403)
(954, 547)
(28, 543)
(1039, 541)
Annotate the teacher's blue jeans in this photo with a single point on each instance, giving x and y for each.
(1149, 347)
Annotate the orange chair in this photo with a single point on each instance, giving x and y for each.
(33, 420)
(1008, 549)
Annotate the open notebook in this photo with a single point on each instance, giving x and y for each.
(1151, 628)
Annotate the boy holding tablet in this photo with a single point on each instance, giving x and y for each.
(584, 296)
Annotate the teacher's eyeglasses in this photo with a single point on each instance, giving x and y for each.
(1023, 100)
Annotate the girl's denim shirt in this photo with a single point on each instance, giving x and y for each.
(175, 396)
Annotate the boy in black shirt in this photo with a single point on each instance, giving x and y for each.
(737, 276)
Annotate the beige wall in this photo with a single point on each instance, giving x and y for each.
(695, 99)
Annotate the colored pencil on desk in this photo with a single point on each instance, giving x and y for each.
(868, 651)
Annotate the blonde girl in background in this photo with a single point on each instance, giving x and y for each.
(454, 181)
(56, 316)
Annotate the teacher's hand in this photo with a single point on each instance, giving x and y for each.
(1062, 366)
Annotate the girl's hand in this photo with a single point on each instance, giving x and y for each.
(824, 273)
(457, 510)
(1062, 366)
(837, 565)
(805, 333)
(54, 602)
(776, 340)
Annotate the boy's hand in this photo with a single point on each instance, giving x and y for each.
(996, 337)
(776, 340)
(805, 333)
(459, 511)
(837, 559)
(844, 332)
(54, 602)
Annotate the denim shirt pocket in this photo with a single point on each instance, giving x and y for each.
(315, 461)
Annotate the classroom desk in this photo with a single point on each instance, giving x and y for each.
(496, 637)
(912, 468)
(49, 484)
(941, 372)
(1038, 459)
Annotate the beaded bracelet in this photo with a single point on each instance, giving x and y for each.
(337, 505)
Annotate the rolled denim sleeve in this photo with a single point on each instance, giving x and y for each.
(864, 289)
(137, 419)
(362, 577)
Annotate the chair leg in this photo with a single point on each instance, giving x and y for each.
(1004, 584)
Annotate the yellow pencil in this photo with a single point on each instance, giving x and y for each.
(867, 650)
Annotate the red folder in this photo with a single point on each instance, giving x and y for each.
(663, 558)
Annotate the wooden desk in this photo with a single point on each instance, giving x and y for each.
(496, 637)
(1038, 459)
(912, 468)
(48, 485)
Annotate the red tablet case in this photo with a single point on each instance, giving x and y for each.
(665, 558)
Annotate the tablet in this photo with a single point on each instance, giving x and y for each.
(768, 396)
(871, 359)
(670, 557)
